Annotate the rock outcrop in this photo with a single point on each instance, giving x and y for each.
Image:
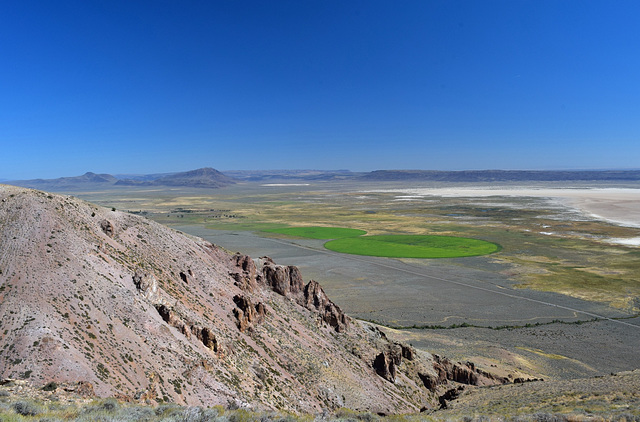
(449, 396)
(107, 227)
(246, 275)
(463, 373)
(284, 280)
(408, 352)
(387, 362)
(206, 336)
(288, 282)
(247, 313)
(316, 299)
(184, 276)
(187, 327)
(146, 284)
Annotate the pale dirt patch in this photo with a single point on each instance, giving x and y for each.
(631, 241)
(601, 271)
(538, 258)
(286, 184)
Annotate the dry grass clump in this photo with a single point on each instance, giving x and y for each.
(111, 410)
(27, 408)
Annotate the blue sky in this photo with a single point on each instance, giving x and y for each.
(159, 86)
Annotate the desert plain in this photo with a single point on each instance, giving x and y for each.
(560, 300)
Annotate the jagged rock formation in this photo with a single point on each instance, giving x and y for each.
(284, 280)
(247, 275)
(463, 373)
(287, 281)
(146, 284)
(386, 363)
(107, 227)
(246, 313)
(449, 396)
(316, 298)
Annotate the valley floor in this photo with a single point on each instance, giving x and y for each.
(560, 301)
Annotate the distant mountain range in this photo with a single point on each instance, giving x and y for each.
(200, 178)
(211, 178)
(438, 175)
(503, 175)
(280, 175)
(86, 179)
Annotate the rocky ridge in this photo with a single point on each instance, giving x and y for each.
(142, 312)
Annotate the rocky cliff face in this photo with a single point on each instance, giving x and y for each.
(140, 311)
(287, 281)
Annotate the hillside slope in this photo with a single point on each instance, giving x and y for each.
(137, 310)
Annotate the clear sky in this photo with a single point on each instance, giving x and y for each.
(157, 86)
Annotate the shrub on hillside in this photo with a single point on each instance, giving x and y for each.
(27, 408)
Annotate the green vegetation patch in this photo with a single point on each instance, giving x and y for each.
(319, 232)
(412, 246)
(248, 226)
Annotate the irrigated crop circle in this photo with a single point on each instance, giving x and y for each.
(412, 246)
(352, 241)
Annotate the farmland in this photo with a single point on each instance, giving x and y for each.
(412, 246)
(352, 241)
(314, 232)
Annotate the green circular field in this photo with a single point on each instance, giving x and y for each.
(319, 232)
(412, 246)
